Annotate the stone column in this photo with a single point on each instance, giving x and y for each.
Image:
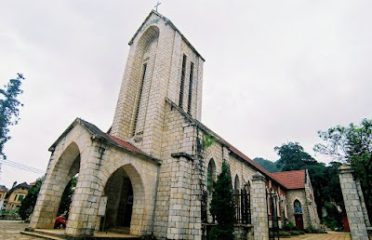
(184, 203)
(352, 203)
(364, 208)
(86, 199)
(259, 207)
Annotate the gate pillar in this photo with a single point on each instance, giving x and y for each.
(353, 203)
(259, 208)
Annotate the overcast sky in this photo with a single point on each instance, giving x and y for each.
(275, 71)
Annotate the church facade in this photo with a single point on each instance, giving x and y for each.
(152, 173)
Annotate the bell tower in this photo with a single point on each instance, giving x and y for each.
(162, 64)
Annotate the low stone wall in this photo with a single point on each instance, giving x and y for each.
(10, 217)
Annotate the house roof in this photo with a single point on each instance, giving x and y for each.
(291, 179)
(107, 138)
(21, 185)
(3, 188)
(168, 22)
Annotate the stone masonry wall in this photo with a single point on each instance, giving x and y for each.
(292, 196)
(98, 162)
(165, 83)
(353, 204)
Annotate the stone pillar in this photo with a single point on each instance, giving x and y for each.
(184, 203)
(352, 203)
(259, 207)
(86, 199)
(364, 208)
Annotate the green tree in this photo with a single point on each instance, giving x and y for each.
(267, 164)
(292, 156)
(9, 109)
(324, 179)
(222, 206)
(67, 196)
(353, 145)
(28, 203)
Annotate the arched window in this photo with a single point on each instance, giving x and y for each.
(236, 183)
(297, 207)
(211, 175)
(247, 187)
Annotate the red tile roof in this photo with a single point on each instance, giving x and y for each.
(125, 144)
(291, 179)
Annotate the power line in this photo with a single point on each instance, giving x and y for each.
(22, 166)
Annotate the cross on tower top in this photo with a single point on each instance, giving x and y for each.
(157, 5)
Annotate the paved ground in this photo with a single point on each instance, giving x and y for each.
(9, 230)
(328, 236)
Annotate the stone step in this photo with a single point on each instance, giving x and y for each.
(42, 235)
(124, 230)
(54, 234)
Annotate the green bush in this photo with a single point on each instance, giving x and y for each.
(331, 223)
(289, 226)
(222, 206)
(295, 233)
(284, 234)
(218, 233)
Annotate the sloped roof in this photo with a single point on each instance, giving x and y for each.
(3, 188)
(21, 185)
(107, 138)
(291, 179)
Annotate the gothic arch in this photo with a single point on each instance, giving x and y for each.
(141, 75)
(297, 207)
(211, 175)
(298, 214)
(136, 182)
(236, 183)
(62, 169)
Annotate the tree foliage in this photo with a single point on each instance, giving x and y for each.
(324, 179)
(267, 164)
(292, 156)
(353, 145)
(28, 203)
(67, 196)
(222, 206)
(9, 109)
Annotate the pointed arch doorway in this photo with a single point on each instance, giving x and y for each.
(124, 206)
(119, 208)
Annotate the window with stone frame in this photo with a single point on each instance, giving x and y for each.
(297, 207)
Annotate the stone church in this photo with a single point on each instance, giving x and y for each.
(152, 173)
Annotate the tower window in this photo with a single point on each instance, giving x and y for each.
(182, 85)
(190, 88)
(139, 99)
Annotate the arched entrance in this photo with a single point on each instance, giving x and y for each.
(64, 169)
(297, 207)
(125, 200)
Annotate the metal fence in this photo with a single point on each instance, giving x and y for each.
(242, 206)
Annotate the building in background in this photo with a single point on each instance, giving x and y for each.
(15, 195)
